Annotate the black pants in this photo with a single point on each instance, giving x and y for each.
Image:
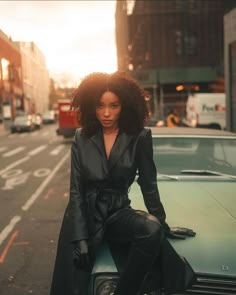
(143, 232)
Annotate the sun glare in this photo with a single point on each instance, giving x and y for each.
(76, 37)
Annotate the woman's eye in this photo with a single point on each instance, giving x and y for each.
(115, 106)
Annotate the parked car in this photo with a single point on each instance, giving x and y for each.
(196, 173)
(49, 117)
(23, 123)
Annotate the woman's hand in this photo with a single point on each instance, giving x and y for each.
(180, 233)
(81, 255)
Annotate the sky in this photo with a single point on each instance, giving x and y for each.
(76, 37)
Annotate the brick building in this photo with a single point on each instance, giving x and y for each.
(11, 88)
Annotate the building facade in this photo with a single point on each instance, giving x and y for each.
(174, 47)
(36, 80)
(230, 68)
(11, 84)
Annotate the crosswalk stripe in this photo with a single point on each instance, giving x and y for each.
(37, 150)
(13, 152)
(57, 150)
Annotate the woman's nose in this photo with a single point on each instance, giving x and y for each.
(106, 112)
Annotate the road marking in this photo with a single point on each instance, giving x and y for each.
(14, 164)
(21, 243)
(3, 148)
(8, 245)
(39, 190)
(6, 231)
(11, 173)
(37, 150)
(50, 191)
(13, 152)
(13, 181)
(45, 133)
(57, 150)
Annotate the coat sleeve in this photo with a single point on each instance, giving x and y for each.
(77, 204)
(147, 177)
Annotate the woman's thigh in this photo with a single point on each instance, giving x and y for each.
(127, 224)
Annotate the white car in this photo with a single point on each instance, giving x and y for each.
(49, 117)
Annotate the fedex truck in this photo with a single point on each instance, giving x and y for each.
(206, 110)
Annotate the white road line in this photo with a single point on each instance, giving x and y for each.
(6, 231)
(57, 150)
(45, 133)
(37, 150)
(3, 148)
(14, 165)
(39, 190)
(13, 152)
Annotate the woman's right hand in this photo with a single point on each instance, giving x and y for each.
(81, 255)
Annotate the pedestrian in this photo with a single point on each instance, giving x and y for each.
(108, 150)
(173, 119)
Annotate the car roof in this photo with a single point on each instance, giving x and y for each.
(190, 132)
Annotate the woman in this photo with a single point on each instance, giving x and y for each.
(108, 150)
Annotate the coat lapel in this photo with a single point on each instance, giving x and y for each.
(122, 142)
(120, 145)
(98, 140)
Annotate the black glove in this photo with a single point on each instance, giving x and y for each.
(179, 233)
(81, 255)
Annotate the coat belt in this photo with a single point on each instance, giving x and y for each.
(103, 202)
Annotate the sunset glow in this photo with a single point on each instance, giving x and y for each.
(76, 37)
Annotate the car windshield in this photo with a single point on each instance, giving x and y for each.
(194, 155)
(48, 114)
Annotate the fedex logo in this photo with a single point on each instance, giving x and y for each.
(213, 108)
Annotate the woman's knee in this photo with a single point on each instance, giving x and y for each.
(149, 228)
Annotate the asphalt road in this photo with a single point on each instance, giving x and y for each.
(34, 186)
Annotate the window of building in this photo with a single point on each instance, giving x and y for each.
(5, 68)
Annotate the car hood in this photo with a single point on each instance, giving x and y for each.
(207, 207)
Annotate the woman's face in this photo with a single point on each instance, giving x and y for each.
(108, 110)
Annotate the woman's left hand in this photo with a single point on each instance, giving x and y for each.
(180, 233)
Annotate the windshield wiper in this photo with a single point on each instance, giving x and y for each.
(168, 176)
(206, 172)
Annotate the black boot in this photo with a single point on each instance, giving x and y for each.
(132, 278)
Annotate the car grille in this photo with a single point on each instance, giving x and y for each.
(213, 286)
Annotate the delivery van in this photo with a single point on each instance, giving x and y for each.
(206, 110)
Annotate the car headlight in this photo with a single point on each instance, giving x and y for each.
(105, 284)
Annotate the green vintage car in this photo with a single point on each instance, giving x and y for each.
(197, 182)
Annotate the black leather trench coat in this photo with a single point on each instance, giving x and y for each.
(92, 177)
